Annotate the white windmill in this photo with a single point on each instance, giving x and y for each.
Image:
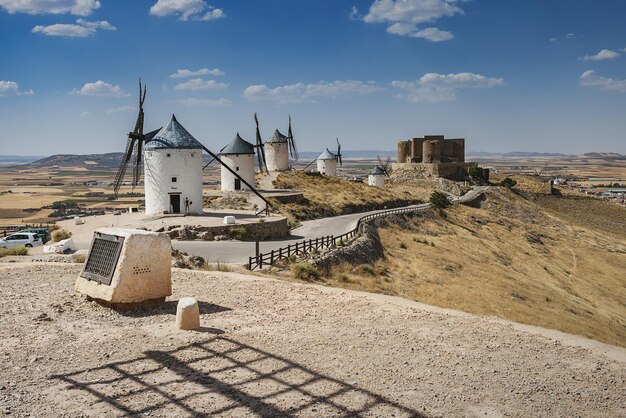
(238, 155)
(327, 161)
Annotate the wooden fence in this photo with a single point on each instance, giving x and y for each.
(307, 246)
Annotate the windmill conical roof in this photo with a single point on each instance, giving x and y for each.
(238, 146)
(327, 155)
(173, 135)
(377, 171)
(277, 136)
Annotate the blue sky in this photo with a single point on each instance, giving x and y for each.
(532, 75)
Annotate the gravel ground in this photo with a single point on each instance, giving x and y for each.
(275, 348)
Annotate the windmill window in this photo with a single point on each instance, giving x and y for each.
(193, 154)
(168, 155)
(174, 179)
(236, 168)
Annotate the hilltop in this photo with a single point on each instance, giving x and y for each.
(109, 160)
(551, 261)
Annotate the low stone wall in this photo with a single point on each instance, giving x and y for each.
(296, 197)
(366, 248)
(244, 232)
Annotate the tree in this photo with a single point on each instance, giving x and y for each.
(439, 201)
(508, 182)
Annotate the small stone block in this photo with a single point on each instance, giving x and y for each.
(229, 220)
(188, 314)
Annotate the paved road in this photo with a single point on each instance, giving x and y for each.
(239, 251)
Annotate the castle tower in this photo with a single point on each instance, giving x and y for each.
(327, 163)
(277, 152)
(239, 156)
(173, 171)
(376, 177)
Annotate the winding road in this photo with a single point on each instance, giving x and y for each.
(237, 252)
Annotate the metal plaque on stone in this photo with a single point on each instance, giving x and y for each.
(102, 260)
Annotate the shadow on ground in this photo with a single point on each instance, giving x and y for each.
(223, 376)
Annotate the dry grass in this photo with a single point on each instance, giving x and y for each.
(13, 251)
(509, 259)
(332, 196)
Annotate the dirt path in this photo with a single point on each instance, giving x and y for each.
(275, 348)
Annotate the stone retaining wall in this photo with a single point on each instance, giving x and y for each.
(244, 232)
(366, 248)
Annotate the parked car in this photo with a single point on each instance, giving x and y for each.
(21, 239)
(43, 233)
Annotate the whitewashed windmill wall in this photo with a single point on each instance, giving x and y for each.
(239, 156)
(173, 171)
(327, 163)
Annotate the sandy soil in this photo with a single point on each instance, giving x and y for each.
(274, 348)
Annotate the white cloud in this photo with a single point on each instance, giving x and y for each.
(100, 88)
(120, 109)
(605, 54)
(591, 79)
(354, 14)
(187, 9)
(406, 15)
(35, 7)
(84, 114)
(433, 87)
(570, 36)
(553, 39)
(184, 73)
(11, 88)
(300, 92)
(200, 84)
(81, 29)
(192, 102)
(408, 29)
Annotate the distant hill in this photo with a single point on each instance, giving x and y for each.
(110, 160)
(515, 154)
(605, 155)
(351, 153)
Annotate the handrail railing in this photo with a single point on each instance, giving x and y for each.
(306, 246)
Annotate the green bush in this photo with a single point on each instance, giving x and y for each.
(239, 233)
(13, 251)
(305, 271)
(508, 182)
(479, 173)
(60, 235)
(439, 200)
(64, 204)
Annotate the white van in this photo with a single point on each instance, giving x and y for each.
(21, 239)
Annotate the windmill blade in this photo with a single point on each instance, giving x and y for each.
(309, 165)
(133, 144)
(260, 148)
(121, 171)
(213, 159)
(233, 172)
(339, 152)
(293, 150)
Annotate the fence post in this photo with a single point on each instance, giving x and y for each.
(249, 263)
(272, 258)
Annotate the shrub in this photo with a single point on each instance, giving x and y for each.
(78, 258)
(508, 182)
(64, 204)
(305, 271)
(403, 245)
(60, 235)
(439, 200)
(239, 233)
(13, 251)
(53, 228)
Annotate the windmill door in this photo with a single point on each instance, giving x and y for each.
(237, 184)
(175, 203)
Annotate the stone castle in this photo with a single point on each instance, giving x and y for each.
(435, 156)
